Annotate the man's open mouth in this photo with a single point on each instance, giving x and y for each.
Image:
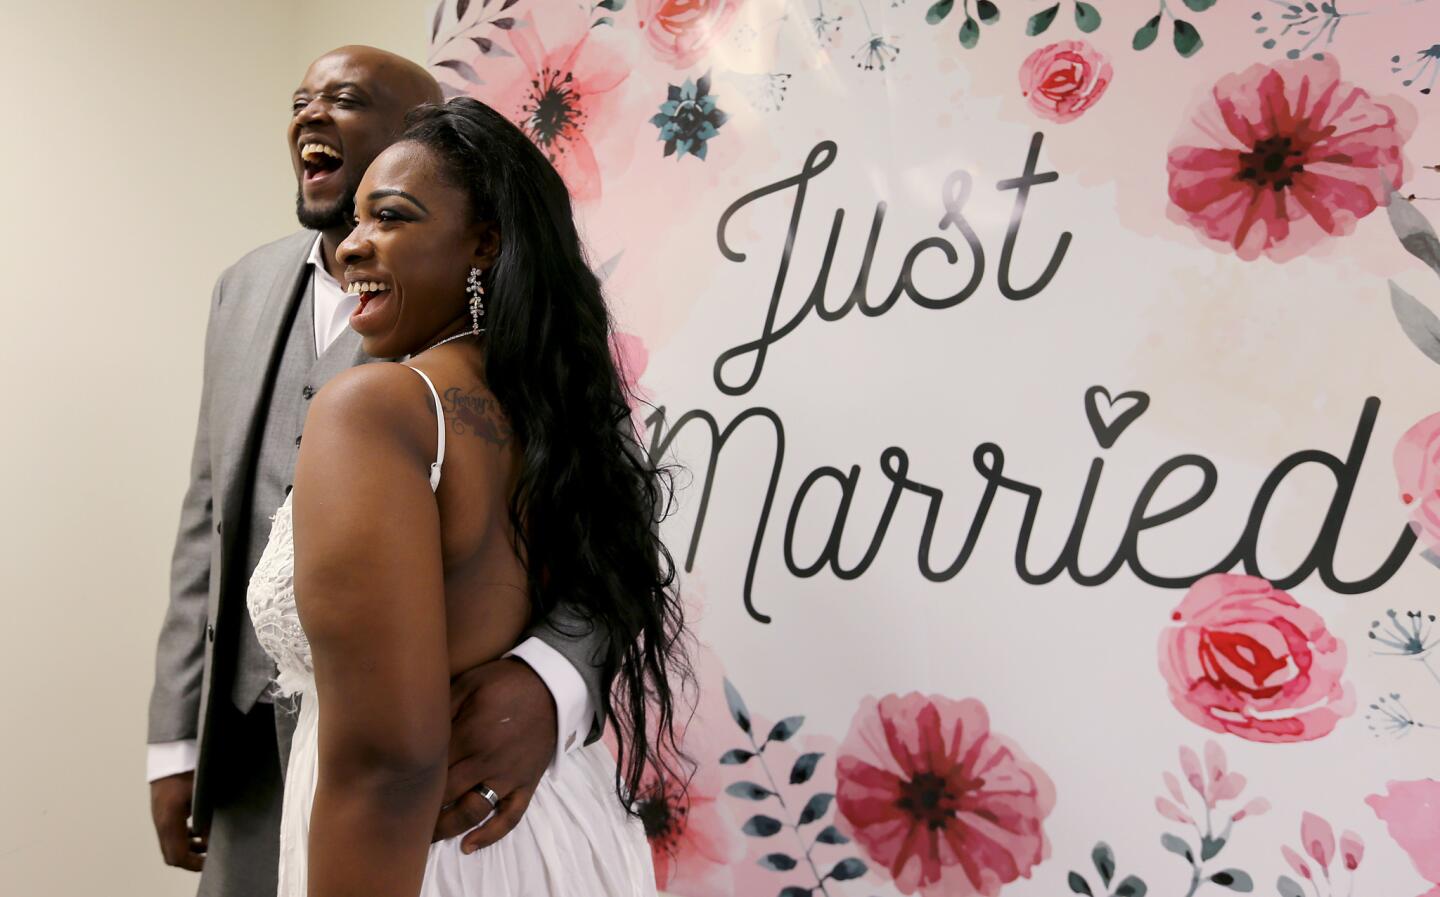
(319, 160)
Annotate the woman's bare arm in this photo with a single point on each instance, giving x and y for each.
(370, 589)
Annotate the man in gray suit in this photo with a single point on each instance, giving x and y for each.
(277, 332)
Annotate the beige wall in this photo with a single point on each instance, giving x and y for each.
(143, 152)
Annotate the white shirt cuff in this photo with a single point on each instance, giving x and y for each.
(170, 758)
(573, 713)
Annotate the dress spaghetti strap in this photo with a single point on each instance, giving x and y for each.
(440, 428)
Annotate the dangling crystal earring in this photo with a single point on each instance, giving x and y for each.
(476, 291)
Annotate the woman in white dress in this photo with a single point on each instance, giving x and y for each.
(440, 505)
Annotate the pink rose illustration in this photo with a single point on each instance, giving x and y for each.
(680, 31)
(631, 359)
(1411, 813)
(938, 801)
(1248, 659)
(1417, 467)
(693, 838)
(563, 98)
(1062, 80)
(1279, 158)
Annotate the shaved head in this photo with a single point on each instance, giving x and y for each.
(410, 82)
(349, 107)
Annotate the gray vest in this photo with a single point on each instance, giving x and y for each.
(298, 377)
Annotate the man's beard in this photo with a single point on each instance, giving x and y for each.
(332, 217)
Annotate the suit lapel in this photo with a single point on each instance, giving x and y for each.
(253, 377)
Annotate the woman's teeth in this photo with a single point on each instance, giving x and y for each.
(366, 286)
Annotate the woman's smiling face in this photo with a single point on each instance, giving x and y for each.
(410, 253)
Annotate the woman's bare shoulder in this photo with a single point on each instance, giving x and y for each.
(378, 399)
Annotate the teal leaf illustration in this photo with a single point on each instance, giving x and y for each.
(1210, 846)
(748, 791)
(1199, 5)
(804, 768)
(1418, 322)
(779, 862)
(787, 727)
(793, 891)
(735, 757)
(612, 5)
(831, 835)
(738, 710)
(969, 33)
(937, 13)
(1187, 39)
(1130, 887)
(461, 6)
(1235, 880)
(1414, 231)
(760, 826)
(603, 20)
(988, 12)
(1147, 34)
(1289, 887)
(1041, 20)
(439, 14)
(462, 69)
(815, 807)
(504, 24)
(847, 869)
(1176, 845)
(488, 47)
(1079, 885)
(1104, 859)
(1087, 17)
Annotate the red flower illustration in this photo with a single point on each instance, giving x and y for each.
(680, 31)
(1063, 80)
(942, 804)
(693, 838)
(1278, 158)
(562, 99)
(1248, 659)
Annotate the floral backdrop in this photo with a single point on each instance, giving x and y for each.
(1054, 388)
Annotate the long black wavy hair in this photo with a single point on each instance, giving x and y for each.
(588, 501)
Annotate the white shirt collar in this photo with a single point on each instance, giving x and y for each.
(318, 260)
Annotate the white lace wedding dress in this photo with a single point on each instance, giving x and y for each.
(574, 840)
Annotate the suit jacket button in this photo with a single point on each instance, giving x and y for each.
(297, 441)
(209, 632)
(308, 392)
(217, 527)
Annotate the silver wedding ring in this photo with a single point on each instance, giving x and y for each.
(488, 795)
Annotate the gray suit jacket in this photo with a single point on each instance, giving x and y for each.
(252, 302)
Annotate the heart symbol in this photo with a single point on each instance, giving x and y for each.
(1107, 431)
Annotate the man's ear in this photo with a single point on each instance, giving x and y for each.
(487, 244)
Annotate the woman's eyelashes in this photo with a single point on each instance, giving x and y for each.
(384, 216)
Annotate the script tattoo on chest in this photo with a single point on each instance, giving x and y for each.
(476, 412)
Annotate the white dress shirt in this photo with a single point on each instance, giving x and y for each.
(573, 713)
